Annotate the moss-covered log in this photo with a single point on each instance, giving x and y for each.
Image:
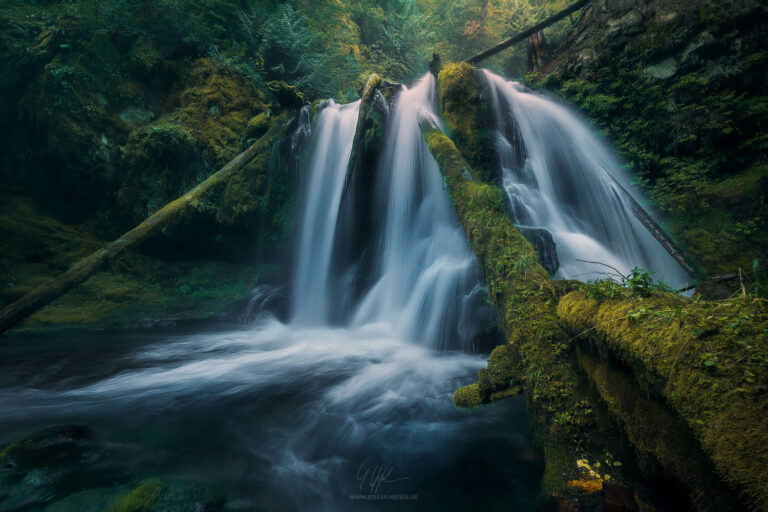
(708, 360)
(537, 354)
(166, 216)
(657, 435)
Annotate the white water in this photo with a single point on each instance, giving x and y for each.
(286, 416)
(322, 198)
(560, 177)
(281, 417)
(428, 275)
(427, 281)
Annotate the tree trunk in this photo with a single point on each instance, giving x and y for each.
(527, 33)
(170, 213)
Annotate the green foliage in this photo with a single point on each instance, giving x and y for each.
(289, 49)
(639, 283)
(760, 280)
(142, 499)
(537, 354)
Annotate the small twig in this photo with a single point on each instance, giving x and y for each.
(605, 265)
(741, 282)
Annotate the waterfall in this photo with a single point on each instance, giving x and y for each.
(562, 180)
(321, 194)
(426, 281)
(427, 276)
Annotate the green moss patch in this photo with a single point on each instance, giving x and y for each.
(709, 362)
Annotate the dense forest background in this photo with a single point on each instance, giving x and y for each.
(326, 48)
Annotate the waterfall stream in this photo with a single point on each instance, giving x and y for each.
(561, 178)
(298, 415)
(304, 415)
(428, 279)
(322, 193)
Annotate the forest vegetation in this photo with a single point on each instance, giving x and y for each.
(639, 397)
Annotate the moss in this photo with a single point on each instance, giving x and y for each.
(217, 110)
(458, 88)
(49, 447)
(693, 129)
(121, 299)
(502, 372)
(144, 55)
(708, 360)
(537, 353)
(467, 397)
(42, 245)
(141, 499)
(658, 437)
(257, 125)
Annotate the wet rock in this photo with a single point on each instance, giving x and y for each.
(53, 446)
(265, 299)
(65, 469)
(160, 495)
(662, 70)
(545, 246)
(629, 24)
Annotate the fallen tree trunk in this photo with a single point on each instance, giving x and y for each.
(654, 229)
(537, 354)
(706, 360)
(86, 267)
(522, 36)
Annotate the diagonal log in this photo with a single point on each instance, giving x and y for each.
(490, 52)
(656, 231)
(82, 270)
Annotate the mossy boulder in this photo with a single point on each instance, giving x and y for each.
(158, 495)
(464, 108)
(50, 447)
(468, 397)
(65, 468)
(208, 128)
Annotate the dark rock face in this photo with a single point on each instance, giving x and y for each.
(359, 229)
(545, 246)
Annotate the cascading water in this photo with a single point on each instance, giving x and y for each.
(427, 281)
(561, 178)
(322, 198)
(428, 277)
(313, 414)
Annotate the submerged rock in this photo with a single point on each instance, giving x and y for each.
(64, 468)
(53, 446)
